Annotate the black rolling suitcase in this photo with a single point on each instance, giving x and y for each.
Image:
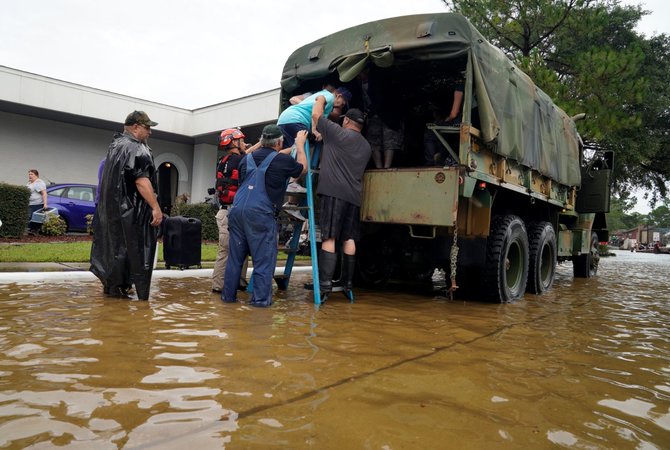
(182, 237)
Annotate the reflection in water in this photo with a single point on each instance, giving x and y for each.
(586, 365)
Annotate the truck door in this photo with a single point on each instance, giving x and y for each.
(594, 195)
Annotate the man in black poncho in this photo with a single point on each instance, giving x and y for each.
(128, 214)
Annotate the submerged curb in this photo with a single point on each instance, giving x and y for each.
(80, 275)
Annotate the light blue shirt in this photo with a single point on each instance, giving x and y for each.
(302, 112)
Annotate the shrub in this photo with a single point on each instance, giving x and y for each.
(202, 211)
(54, 226)
(13, 210)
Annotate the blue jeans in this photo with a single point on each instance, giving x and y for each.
(290, 131)
(251, 233)
(32, 225)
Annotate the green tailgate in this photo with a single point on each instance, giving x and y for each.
(419, 196)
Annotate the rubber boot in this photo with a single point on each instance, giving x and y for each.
(348, 265)
(327, 263)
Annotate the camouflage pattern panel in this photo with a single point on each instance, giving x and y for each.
(581, 234)
(564, 243)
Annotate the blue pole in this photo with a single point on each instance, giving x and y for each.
(312, 231)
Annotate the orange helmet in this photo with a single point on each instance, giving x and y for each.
(228, 135)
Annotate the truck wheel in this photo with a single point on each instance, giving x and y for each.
(586, 265)
(542, 252)
(374, 264)
(506, 267)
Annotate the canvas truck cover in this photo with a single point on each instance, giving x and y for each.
(516, 115)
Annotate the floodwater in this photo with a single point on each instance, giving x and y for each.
(586, 366)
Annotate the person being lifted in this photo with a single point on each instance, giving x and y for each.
(252, 220)
(301, 116)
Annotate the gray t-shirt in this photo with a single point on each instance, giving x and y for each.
(35, 188)
(343, 159)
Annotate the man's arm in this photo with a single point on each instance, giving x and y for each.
(318, 109)
(146, 190)
(44, 197)
(253, 148)
(301, 158)
(297, 99)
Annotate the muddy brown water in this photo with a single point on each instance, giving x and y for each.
(585, 366)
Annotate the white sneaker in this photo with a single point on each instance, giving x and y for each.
(295, 188)
(292, 210)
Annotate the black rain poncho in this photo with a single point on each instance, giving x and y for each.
(124, 242)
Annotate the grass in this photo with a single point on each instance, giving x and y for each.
(80, 252)
(71, 252)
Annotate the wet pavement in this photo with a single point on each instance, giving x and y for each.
(59, 266)
(586, 365)
(42, 266)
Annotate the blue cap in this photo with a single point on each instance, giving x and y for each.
(344, 92)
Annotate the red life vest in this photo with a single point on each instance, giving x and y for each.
(226, 186)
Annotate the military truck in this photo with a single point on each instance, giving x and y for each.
(521, 197)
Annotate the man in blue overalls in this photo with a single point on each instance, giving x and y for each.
(252, 220)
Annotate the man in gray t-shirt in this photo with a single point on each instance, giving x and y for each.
(345, 154)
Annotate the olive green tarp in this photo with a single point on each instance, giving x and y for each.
(520, 118)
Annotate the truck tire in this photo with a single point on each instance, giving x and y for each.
(586, 265)
(374, 262)
(506, 266)
(542, 252)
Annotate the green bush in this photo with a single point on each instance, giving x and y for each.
(54, 226)
(13, 210)
(204, 212)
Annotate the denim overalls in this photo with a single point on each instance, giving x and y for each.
(253, 230)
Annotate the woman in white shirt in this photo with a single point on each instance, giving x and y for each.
(38, 196)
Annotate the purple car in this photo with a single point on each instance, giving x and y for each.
(74, 202)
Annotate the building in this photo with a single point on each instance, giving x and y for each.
(63, 130)
(641, 234)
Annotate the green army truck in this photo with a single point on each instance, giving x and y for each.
(520, 195)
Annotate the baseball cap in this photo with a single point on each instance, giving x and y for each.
(271, 132)
(141, 118)
(356, 115)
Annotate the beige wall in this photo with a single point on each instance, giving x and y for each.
(67, 153)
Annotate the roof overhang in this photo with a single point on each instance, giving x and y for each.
(34, 95)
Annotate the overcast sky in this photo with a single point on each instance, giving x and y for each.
(189, 53)
(192, 53)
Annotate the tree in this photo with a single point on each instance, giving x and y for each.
(644, 151)
(617, 218)
(588, 57)
(660, 217)
(633, 220)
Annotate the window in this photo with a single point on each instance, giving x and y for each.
(57, 192)
(83, 193)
